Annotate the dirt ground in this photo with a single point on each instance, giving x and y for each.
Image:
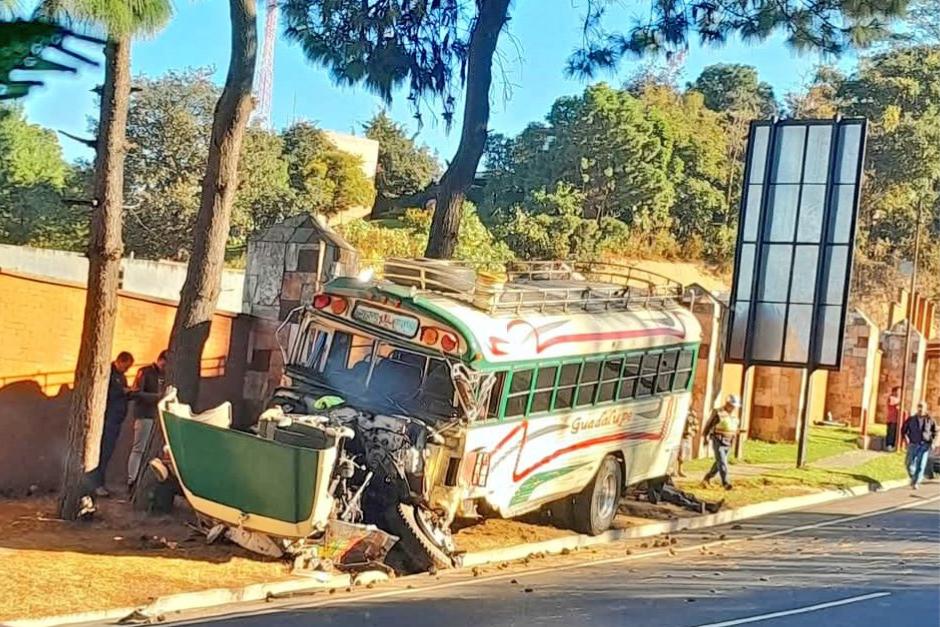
(122, 558)
(119, 559)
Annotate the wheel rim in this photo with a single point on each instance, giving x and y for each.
(605, 497)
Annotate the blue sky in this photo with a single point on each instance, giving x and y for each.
(533, 58)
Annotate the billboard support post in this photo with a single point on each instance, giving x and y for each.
(804, 417)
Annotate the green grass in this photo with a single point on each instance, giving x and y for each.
(878, 430)
(823, 442)
(778, 483)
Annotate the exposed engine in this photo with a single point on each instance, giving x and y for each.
(379, 475)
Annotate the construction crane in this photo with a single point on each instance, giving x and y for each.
(265, 76)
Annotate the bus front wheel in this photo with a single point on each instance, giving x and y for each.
(596, 505)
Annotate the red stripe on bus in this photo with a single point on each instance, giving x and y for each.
(581, 445)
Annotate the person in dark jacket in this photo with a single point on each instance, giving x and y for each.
(919, 433)
(148, 389)
(115, 410)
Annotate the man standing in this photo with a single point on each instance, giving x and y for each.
(919, 432)
(114, 412)
(148, 389)
(722, 429)
(894, 406)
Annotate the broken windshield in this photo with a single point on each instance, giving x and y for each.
(375, 372)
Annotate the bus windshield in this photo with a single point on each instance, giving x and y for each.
(375, 372)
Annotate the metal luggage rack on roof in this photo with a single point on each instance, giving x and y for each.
(540, 285)
(586, 286)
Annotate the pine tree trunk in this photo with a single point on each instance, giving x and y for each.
(476, 116)
(86, 411)
(200, 292)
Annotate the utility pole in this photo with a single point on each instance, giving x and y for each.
(910, 323)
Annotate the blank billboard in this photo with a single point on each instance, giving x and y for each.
(796, 234)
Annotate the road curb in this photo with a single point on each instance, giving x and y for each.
(577, 541)
(186, 601)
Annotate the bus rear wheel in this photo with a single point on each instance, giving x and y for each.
(595, 507)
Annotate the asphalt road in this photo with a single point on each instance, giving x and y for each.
(873, 560)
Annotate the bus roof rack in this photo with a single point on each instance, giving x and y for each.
(566, 286)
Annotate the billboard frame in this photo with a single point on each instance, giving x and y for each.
(773, 125)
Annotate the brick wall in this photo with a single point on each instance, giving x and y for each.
(40, 327)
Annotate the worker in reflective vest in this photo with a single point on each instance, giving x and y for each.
(722, 429)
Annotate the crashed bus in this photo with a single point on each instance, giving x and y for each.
(437, 393)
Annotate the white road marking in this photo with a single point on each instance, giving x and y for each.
(415, 590)
(800, 610)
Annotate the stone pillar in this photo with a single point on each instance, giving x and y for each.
(850, 389)
(287, 265)
(892, 346)
(705, 386)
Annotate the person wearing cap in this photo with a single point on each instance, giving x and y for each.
(722, 428)
(919, 433)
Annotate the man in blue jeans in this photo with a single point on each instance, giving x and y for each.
(722, 429)
(919, 433)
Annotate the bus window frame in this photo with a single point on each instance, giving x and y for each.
(625, 357)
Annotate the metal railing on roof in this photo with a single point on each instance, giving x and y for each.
(557, 286)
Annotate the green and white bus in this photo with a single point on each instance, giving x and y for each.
(561, 385)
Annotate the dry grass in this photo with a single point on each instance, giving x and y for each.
(119, 559)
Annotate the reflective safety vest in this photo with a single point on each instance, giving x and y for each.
(728, 424)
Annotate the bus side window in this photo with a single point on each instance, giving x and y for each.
(588, 385)
(496, 395)
(684, 370)
(648, 374)
(519, 386)
(610, 375)
(667, 368)
(544, 386)
(567, 382)
(631, 373)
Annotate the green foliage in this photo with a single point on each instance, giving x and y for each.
(656, 160)
(735, 87)
(404, 168)
(168, 128)
(603, 144)
(831, 26)
(384, 45)
(169, 125)
(326, 179)
(408, 237)
(33, 181)
(899, 92)
(549, 225)
(112, 17)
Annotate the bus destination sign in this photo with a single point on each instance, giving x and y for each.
(385, 319)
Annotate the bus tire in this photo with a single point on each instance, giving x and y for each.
(417, 548)
(561, 512)
(595, 507)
